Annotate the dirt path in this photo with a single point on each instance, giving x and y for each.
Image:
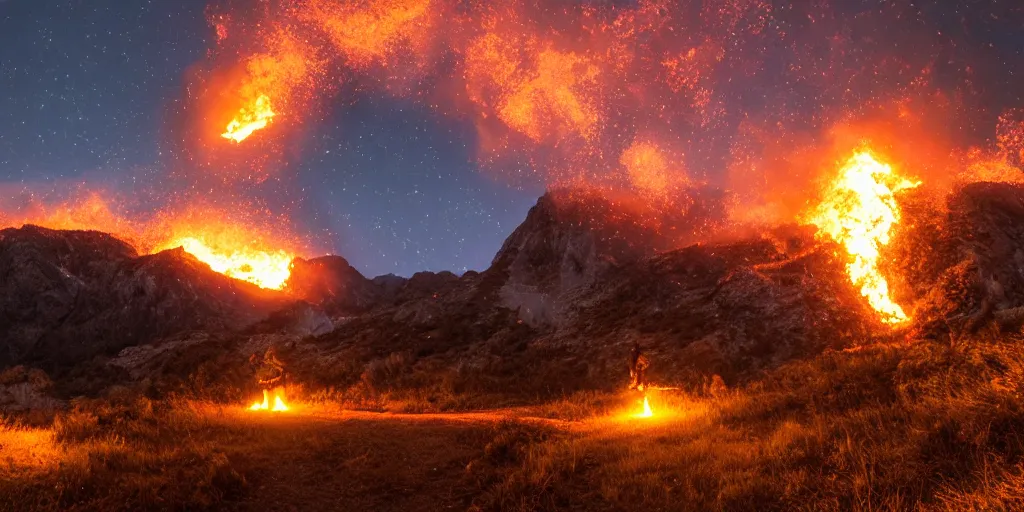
(320, 460)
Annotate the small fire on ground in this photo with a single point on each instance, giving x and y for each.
(647, 412)
(277, 406)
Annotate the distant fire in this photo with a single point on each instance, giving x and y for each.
(859, 212)
(240, 246)
(278, 405)
(262, 268)
(250, 119)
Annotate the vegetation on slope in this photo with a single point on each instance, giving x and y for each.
(922, 425)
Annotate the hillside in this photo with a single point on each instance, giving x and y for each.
(571, 289)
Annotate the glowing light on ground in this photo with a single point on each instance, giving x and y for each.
(262, 268)
(859, 211)
(278, 406)
(647, 412)
(249, 119)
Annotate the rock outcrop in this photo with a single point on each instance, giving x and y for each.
(66, 296)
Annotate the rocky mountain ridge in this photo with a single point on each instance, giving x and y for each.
(568, 292)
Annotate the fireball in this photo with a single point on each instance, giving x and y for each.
(249, 119)
(859, 212)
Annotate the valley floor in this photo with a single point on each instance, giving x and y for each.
(922, 426)
(311, 458)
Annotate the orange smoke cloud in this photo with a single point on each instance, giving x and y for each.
(374, 32)
(651, 172)
(561, 86)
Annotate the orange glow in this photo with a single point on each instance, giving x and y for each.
(241, 249)
(368, 33)
(27, 450)
(92, 212)
(859, 211)
(647, 412)
(984, 166)
(263, 268)
(647, 167)
(278, 406)
(255, 117)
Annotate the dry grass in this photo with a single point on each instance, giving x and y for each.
(130, 454)
(27, 451)
(924, 427)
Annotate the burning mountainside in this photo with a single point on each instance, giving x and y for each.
(260, 267)
(859, 212)
(236, 249)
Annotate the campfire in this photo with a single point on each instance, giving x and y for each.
(278, 405)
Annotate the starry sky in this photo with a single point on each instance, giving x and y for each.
(385, 183)
(394, 186)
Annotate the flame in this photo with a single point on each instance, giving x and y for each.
(647, 412)
(278, 406)
(238, 247)
(255, 117)
(272, 80)
(262, 268)
(237, 244)
(859, 212)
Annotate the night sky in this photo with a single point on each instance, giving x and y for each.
(389, 185)
(393, 185)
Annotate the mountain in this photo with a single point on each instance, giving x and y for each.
(581, 279)
(67, 296)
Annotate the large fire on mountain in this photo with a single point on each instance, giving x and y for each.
(859, 212)
(240, 248)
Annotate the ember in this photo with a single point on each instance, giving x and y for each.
(859, 212)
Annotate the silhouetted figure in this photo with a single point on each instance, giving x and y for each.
(269, 370)
(637, 368)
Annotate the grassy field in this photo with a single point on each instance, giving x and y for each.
(926, 425)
